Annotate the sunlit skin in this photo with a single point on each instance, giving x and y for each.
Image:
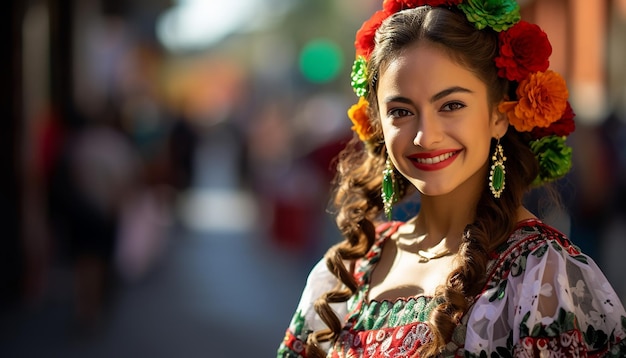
(437, 121)
(438, 125)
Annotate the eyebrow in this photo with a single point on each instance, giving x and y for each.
(436, 97)
(449, 91)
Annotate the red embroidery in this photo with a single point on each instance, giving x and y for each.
(402, 341)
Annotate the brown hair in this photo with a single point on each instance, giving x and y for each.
(358, 182)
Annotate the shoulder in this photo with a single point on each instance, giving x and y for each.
(305, 319)
(319, 281)
(365, 265)
(544, 293)
(533, 233)
(531, 238)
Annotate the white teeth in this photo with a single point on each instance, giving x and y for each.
(435, 160)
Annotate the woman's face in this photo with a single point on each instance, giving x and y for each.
(437, 121)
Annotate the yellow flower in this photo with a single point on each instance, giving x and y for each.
(542, 99)
(360, 119)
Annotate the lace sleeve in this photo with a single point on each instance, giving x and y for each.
(554, 301)
(305, 319)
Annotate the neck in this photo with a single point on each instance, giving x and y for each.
(444, 217)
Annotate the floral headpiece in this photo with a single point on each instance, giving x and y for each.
(541, 105)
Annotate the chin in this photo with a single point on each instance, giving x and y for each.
(433, 191)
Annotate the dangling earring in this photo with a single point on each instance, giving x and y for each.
(496, 176)
(390, 188)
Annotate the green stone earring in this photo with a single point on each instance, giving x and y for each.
(496, 176)
(390, 188)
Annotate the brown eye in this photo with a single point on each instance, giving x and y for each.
(399, 113)
(452, 106)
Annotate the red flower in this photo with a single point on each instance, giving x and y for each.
(364, 43)
(393, 6)
(524, 48)
(528, 343)
(542, 344)
(562, 127)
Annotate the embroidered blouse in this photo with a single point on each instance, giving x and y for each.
(543, 298)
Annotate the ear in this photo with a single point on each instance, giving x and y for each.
(499, 123)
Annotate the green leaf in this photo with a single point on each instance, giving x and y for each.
(503, 352)
(536, 330)
(518, 266)
(500, 293)
(524, 327)
(539, 252)
(582, 258)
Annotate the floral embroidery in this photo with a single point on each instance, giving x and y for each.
(567, 344)
(592, 324)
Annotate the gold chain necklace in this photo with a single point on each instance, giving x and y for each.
(425, 256)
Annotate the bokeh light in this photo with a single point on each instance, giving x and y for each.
(321, 61)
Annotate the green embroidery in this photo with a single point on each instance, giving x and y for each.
(518, 266)
(595, 338)
(500, 293)
(565, 322)
(297, 323)
(540, 251)
(581, 258)
(524, 326)
(395, 316)
(376, 315)
(503, 352)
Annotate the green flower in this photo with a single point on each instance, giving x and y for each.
(554, 156)
(497, 14)
(359, 76)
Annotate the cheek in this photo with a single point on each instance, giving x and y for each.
(393, 135)
(481, 149)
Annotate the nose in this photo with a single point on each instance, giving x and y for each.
(428, 132)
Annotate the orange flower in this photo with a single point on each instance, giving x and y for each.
(360, 119)
(542, 99)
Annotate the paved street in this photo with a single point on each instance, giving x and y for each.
(221, 289)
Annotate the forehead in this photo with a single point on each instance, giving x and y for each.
(426, 66)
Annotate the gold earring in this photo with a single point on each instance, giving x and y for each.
(497, 173)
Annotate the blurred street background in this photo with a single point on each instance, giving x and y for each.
(166, 165)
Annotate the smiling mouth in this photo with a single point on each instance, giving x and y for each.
(434, 160)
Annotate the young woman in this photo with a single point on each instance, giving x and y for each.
(456, 102)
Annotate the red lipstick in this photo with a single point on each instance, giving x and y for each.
(435, 160)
